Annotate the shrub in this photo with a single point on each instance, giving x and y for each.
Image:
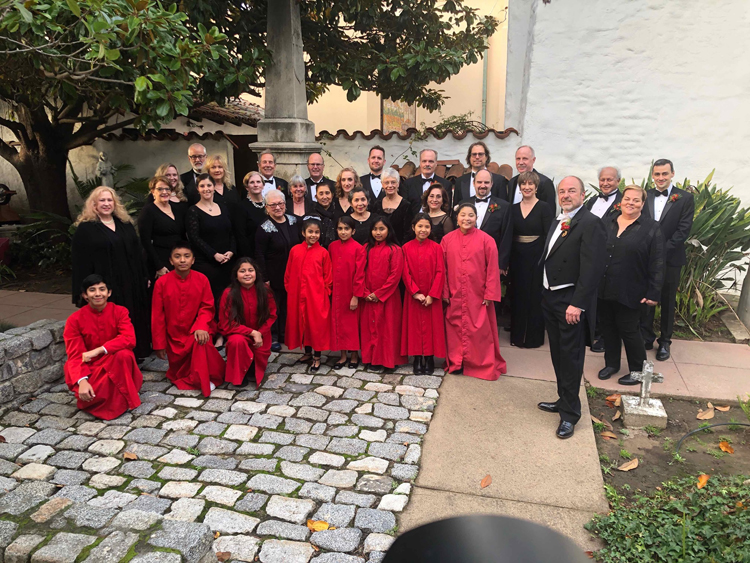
(44, 243)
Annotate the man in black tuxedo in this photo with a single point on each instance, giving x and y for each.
(603, 206)
(267, 166)
(525, 159)
(478, 157)
(414, 187)
(197, 156)
(673, 209)
(371, 182)
(316, 166)
(493, 217)
(573, 264)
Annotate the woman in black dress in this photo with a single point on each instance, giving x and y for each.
(105, 243)
(363, 219)
(209, 228)
(436, 204)
(346, 181)
(532, 219)
(273, 241)
(249, 215)
(298, 203)
(224, 192)
(324, 209)
(161, 224)
(395, 207)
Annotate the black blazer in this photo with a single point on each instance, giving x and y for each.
(611, 210)
(675, 222)
(272, 249)
(411, 189)
(247, 219)
(463, 187)
(365, 180)
(281, 184)
(578, 258)
(499, 225)
(545, 192)
(191, 190)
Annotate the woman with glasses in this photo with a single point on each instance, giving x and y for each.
(274, 240)
(161, 224)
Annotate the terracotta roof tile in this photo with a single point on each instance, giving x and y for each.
(409, 132)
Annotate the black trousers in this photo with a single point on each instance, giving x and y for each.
(621, 324)
(567, 345)
(668, 302)
(278, 328)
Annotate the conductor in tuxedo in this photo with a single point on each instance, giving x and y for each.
(267, 167)
(414, 187)
(371, 182)
(477, 158)
(493, 217)
(673, 209)
(197, 156)
(573, 264)
(525, 159)
(316, 166)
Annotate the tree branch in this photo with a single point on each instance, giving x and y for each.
(86, 137)
(8, 153)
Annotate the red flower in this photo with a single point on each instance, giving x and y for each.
(617, 207)
(674, 198)
(565, 227)
(492, 207)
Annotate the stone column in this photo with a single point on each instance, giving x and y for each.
(743, 310)
(285, 129)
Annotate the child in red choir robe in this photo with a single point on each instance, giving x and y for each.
(472, 283)
(348, 262)
(380, 322)
(99, 339)
(245, 317)
(182, 325)
(423, 329)
(308, 281)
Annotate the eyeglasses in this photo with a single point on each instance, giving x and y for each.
(196, 156)
(477, 154)
(278, 204)
(163, 190)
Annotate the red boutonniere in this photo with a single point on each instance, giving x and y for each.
(617, 207)
(674, 198)
(565, 227)
(492, 207)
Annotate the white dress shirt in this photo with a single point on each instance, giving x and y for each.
(518, 196)
(376, 186)
(602, 204)
(472, 191)
(314, 188)
(481, 211)
(266, 186)
(426, 182)
(660, 203)
(556, 235)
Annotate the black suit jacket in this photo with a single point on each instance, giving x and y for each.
(545, 192)
(578, 258)
(499, 225)
(411, 189)
(323, 180)
(611, 210)
(463, 187)
(365, 180)
(281, 185)
(191, 190)
(675, 222)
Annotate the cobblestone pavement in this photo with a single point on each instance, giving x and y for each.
(234, 477)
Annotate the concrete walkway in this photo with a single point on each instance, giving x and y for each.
(21, 308)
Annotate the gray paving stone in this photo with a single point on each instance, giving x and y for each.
(284, 551)
(77, 443)
(301, 471)
(112, 432)
(229, 521)
(59, 410)
(157, 398)
(69, 477)
(337, 558)
(112, 499)
(342, 479)
(298, 388)
(292, 453)
(15, 435)
(11, 451)
(186, 509)
(310, 399)
(177, 474)
(210, 428)
(293, 510)
(182, 440)
(146, 452)
(340, 539)
(272, 484)
(343, 431)
(348, 383)
(242, 548)
(176, 457)
(68, 459)
(316, 491)
(275, 380)
(417, 403)
(337, 418)
(404, 472)
(251, 502)
(202, 416)
(223, 477)
(367, 421)
(324, 379)
(284, 530)
(297, 425)
(7, 531)
(276, 438)
(114, 547)
(379, 484)
(135, 520)
(87, 516)
(47, 437)
(394, 452)
(143, 485)
(413, 453)
(311, 441)
(147, 503)
(36, 454)
(274, 398)
(391, 413)
(312, 413)
(248, 407)
(318, 428)
(400, 438)
(374, 520)
(147, 420)
(146, 435)
(122, 420)
(140, 469)
(217, 405)
(266, 420)
(214, 462)
(216, 446)
(20, 550)
(347, 446)
(252, 448)
(157, 557)
(341, 405)
(191, 539)
(63, 548)
(389, 398)
(423, 381)
(77, 493)
(338, 515)
(358, 395)
(221, 495)
(233, 418)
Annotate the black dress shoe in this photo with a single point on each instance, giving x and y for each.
(662, 354)
(354, 365)
(547, 407)
(598, 346)
(565, 430)
(275, 347)
(648, 345)
(418, 365)
(429, 366)
(339, 365)
(607, 372)
(627, 380)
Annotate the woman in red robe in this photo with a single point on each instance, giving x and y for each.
(423, 330)
(182, 325)
(247, 312)
(308, 281)
(99, 339)
(348, 263)
(472, 283)
(380, 322)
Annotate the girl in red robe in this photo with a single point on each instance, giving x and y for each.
(99, 339)
(422, 330)
(380, 322)
(245, 317)
(308, 281)
(348, 263)
(472, 283)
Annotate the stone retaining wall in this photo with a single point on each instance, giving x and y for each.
(31, 359)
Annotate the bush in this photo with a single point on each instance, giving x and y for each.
(678, 523)
(44, 243)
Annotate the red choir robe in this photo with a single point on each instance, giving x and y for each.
(348, 262)
(423, 328)
(472, 275)
(308, 281)
(114, 376)
(380, 322)
(180, 307)
(240, 349)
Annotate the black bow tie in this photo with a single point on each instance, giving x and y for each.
(374, 177)
(483, 200)
(269, 181)
(427, 179)
(606, 196)
(665, 193)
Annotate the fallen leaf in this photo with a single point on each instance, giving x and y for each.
(589, 554)
(722, 409)
(725, 447)
(618, 414)
(610, 404)
(317, 525)
(702, 480)
(616, 399)
(315, 547)
(486, 482)
(607, 434)
(594, 419)
(708, 414)
(608, 424)
(629, 466)
(2, 439)
(216, 535)
(129, 455)
(223, 555)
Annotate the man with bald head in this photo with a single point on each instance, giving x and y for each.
(572, 267)
(603, 205)
(525, 159)
(493, 217)
(197, 156)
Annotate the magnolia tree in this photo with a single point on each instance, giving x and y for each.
(74, 70)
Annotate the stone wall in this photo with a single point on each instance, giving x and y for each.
(31, 359)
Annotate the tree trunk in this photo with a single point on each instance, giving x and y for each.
(44, 176)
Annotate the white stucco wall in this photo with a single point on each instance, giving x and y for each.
(629, 82)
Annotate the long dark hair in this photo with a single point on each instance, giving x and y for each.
(390, 239)
(236, 305)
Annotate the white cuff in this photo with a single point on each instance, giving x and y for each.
(105, 350)
(77, 382)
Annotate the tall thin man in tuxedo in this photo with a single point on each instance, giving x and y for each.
(673, 209)
(573, 264)
(493, 217)
(267, 167)
(478, 157)
(371, 182)
(414, 187)
(525, 159)
(197, 155)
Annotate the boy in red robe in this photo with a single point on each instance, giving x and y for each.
(99, 339)
(308, 281)
(182, 325)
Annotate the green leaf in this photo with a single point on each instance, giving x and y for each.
(141, 83)
(163, 108)
(113, 54)
(74, 7)
(25, 14)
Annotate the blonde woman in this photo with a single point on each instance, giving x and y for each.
(170, 172)
(346, 181)
(105, 243)
(224, 192)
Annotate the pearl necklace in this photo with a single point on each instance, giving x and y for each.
(107, 222)
(260, 205)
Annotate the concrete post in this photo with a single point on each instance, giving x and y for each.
(743, 309)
